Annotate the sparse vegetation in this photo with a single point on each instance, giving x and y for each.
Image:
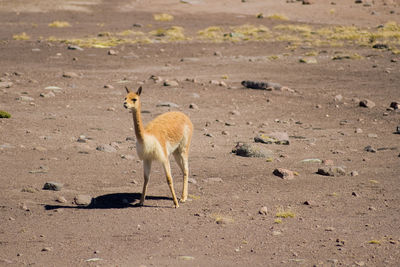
(4, 114)
(282, 213)
(59, 24)
(21, 37)
(163, 17)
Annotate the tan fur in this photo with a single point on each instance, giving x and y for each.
(169, 133)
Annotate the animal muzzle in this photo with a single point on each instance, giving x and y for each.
(125, 105)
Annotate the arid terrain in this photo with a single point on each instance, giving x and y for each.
(333, 75)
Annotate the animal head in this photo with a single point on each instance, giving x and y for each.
(132, 100)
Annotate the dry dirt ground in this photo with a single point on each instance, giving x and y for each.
(348, 220)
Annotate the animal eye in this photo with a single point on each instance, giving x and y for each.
(134, 99)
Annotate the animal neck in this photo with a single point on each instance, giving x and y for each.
(137, 122)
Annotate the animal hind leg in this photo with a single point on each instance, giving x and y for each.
(167, 169)
(182, 161)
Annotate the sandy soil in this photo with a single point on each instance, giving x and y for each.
(342, 220)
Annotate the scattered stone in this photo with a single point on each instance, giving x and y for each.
(308, 60)
(327, 162)
(308, 2)
(223, 220)
(48, 95)
(358, 130)
(70, 74)
(370, 135)
(75, 47)
(312, 161)
(331, 171)
(112, 52)
(40, 149)
(106, 148)
(83, 200)
(309, 203)
(171, 83)
(249, 150)
(354, 173)
(395, 105)
(186, 258)
(156, 79)
(5, 84)
(29, 189)
(370, 149)
(61, 199)
(193, 106)
(108, 86)
(330, 229)
(225, 133)
(167, 104)
(367, 103)
(263, 211)
(284, 173)
(82, 139)
(55, 89)
(53, 186)
(338, 98)
(355, 194)
(380, 46)
(25, 98)
(397, 130)
(46, 249)
(280, 138)
(128, 157)
(269, 86)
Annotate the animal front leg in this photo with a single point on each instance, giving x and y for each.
(146, 171)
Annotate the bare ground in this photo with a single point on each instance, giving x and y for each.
(351, 220)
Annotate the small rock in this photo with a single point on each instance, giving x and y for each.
(55, 89)
(397, 130)
(358, 130)
(46, 249)
(327, 162)
(112, 52)
(82, 139)
(61, 199)
(331, 171)
(25, 98)
(75, 47)
(70, 74)
(108, 86)
(355, 194)
(338, 98)
(370, 135)
(308, 2)
(48, 95)
(249, 150)
(171, 83)
(308, 60)
(128, 157)
(395, 105)
(225, 133)
(367, 103)
(354, 173)
(284, 173)
(329, 229)
(213, 180)
(106, 148)
(263, 211)
(53, 186)
(309, 203)
(193, 106)
(5, 84)
(167, 104)
(280, 138)
(83, 200)
(370, 149)
(261, 85)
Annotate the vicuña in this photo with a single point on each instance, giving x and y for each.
(169, 133)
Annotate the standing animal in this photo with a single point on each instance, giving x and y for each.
(169, 133)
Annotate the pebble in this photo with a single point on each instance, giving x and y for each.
(268, 86)
(280, 138)
(112, 52)
(213, 180)
(106, 148)
(25, 98)
(263, 211)
(358, 130)
(397, 130)
(250, 150)
(61, 199)
(366, 103)
(395, 105)
(370, 149)
(108, 86)
(338, 98)
(82, 139)
(354, 173)
(167, 104)
(48, 95)
(370, 135)
(193, 106)
(75, 47)
(284, 173)
(46, 249)
(54, 186)
(83, 200)
(308, 60)
(6, 84)
(171, 83)
(70, 74)
(128, 157)
(55, 89)
(331, 171)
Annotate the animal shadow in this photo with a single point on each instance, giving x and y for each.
(111, 201)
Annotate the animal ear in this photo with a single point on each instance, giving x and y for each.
(127, 90)
(139, 91)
